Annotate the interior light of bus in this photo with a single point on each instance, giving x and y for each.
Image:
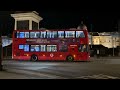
(14, 55)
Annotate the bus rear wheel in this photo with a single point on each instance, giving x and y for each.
(70, 58)
(34, 58)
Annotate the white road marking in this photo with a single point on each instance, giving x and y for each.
(34, 74)
(99, 76)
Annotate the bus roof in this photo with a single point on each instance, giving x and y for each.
(51, 30)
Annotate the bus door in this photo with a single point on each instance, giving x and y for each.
(83, 49)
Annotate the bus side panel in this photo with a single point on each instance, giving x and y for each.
(21, 58)
(52, 56)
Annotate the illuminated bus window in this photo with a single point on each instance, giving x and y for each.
(49, 34)
(26, 34)
(21, 46)
(80, 34)
(69, 34)
(32, 34)
(42, 48)
(35, 48)
(43, 34)
(51, 48)
(63, 48)
(26, 48)
(21, 35)
(60, 34)
(32, 48)
(54, 48)
(52, 34)
(37, 34)
(17, 35)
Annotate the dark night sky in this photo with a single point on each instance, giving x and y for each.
(101, 20)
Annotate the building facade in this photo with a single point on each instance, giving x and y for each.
(28, 20)
(107, 39)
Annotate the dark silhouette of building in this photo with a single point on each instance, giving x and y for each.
(82, 26)
(103, 51)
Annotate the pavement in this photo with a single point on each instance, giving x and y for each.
(9, 75)
(18, 74)
(12, 74)
(7, 58)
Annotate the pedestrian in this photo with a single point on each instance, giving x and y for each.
(98, 52)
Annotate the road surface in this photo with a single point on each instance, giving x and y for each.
(95, 69)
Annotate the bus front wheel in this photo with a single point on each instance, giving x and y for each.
(34, 58)
(70, 58)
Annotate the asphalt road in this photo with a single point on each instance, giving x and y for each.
(95, 69)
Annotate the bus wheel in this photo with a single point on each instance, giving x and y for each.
(34, 58)
(70, 58)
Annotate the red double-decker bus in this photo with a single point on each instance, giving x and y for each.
(70, 45)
